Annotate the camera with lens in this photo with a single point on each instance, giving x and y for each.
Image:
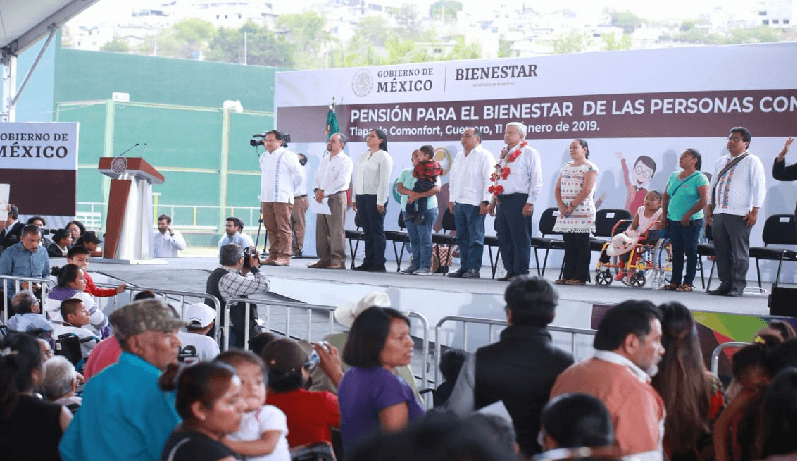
(248, 253)
(257, 139)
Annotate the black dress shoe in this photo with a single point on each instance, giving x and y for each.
(734, 294)
(471, 274)
(457, 274)
(377, 268)
(721, 290)
(506, 278)
(363, 267)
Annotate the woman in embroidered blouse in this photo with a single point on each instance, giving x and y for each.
(371, 183)
(684, 198)
(574, 198)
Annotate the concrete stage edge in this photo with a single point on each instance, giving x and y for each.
(433, 296)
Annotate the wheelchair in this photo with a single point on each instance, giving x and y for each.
(649, 259)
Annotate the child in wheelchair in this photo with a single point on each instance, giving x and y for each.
(645, 230)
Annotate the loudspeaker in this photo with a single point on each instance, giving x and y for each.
(783, 301)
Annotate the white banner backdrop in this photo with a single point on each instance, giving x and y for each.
(632, 104)
(39, 162)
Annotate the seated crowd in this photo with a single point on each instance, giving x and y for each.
(159, 388)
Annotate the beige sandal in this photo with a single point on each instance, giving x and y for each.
(685, 287)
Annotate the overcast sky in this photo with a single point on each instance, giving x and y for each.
(653, 9)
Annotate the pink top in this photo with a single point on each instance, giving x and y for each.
(104, 354)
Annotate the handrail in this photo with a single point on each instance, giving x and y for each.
(491, 326)
(182, 294)
(46, 284)
(310, 308)
(715, 354)
(269, 303)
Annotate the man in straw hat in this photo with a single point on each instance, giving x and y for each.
(125, 416)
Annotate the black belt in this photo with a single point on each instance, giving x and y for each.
(513, 195)
(299, 196)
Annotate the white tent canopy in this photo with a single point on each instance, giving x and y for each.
(23, 23)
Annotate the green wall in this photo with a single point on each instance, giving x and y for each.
(176, 109)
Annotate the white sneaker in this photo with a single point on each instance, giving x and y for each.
(423, 271)
(409, 270)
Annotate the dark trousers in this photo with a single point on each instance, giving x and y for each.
(732, 250)
(684, 242)
(470, 236)
(419, 206)
(514, 233)
(373, 223)
(577, 256)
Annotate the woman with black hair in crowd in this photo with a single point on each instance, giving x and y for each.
(209, 401)
(70, 282)
(779, 418)
(76, 229)
(30, 428)
(311, 414)
(62, 240)
(371, 397)
(692, 397)
(371, 187)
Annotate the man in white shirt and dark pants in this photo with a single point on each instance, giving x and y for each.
(737, 193)
(514, 192)
(167, 242)
(469, 199)
(280, 176)
(299, 211)
(331, 182)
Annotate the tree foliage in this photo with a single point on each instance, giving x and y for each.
(625, 19)
(263, 46)
(308, 35)
(187, 39)
(408, 19)
(573, 42)
(117, 45)
(760, 34)
(445, 9)
(505, 49)
(610, 42)
(373, 30)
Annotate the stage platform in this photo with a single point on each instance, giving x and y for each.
(433, 296)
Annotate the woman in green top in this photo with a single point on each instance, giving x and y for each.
(684, 198)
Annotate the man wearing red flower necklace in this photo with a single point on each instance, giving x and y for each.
(516, 183)
(468, 200)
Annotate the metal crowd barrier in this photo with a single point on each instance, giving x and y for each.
(492, 323)
(166, 295)
(46, 285)
(310, 309)
(715, 354)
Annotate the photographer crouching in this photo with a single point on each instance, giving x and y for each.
(281, 174)
(238, 276)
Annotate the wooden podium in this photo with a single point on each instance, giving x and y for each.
(128, 226)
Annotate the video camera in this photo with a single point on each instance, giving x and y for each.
(248, 253)
(257, 139)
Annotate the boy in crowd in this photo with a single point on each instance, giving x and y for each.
(80, 256)
(76, 316)
(196, 345)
